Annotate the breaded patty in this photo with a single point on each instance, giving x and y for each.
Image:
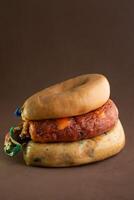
(75, 128)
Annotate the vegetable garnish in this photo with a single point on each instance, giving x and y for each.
(18, 112)
(11, 146)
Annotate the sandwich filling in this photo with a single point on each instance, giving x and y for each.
(67, 129)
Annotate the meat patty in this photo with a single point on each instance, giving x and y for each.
(75, 128)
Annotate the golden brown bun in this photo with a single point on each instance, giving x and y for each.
(75, 153)
(72, 97)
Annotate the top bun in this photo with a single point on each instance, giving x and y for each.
(72, 97)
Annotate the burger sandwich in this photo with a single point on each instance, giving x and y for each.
(68, 124)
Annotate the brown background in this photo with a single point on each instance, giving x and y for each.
(44, 42)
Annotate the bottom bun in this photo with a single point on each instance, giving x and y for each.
(76, 153)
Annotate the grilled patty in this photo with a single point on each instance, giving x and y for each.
(73, 128)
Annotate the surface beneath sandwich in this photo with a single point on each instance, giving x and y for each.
(75, 128)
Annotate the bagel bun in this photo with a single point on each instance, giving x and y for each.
(72, 97)
(76, 153)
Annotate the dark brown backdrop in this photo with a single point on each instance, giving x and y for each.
(43, 42)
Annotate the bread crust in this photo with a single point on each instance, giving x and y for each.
(72, 97)
(75, 153)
